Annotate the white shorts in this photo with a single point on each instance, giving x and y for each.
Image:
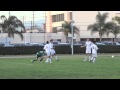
(88, 51)
(48, 53)
(94, 55)
(52, 52)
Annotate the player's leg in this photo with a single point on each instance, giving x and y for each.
(54, 53)
(51, 54)
(35, 59)
(48, 57)
(95, 56)
(89, 51)
(86, 56)
(92, 57)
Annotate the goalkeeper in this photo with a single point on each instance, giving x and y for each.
(39, 56)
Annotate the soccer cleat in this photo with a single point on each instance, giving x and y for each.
(46, 61)
(85, 60)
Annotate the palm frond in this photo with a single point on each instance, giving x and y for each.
(11, 25)
(116, 18)
(20, 34)
(3, 17)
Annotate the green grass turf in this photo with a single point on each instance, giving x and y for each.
(68, 67)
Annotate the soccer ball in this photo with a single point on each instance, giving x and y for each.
(112, 56)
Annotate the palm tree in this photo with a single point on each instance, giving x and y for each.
(66, 29)
(116, 18)
(100, 25)
(114, 29)
(11, 26)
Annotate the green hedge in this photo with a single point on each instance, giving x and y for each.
(59, 50)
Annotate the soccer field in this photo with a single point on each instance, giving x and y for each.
(68, 67)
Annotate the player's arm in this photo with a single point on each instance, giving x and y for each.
(83, 46)
(44, 48)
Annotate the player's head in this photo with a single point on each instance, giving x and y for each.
(51, 40)
(47, 42)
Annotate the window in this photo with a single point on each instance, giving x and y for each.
(70, 15)
(53, 18)
(58, 18)
(62, 15)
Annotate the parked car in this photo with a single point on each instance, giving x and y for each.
(99, 43)
(10, 45)
(2, 44)
(111, 43)
(64, 44)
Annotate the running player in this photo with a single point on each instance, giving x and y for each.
(52, 49)
(94, 52)
(47, 50)
(88, 49)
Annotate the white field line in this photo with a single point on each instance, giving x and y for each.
(33, 56)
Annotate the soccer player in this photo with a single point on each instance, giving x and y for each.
(52, 51)
(40, 55)
(47, 50)
(88, 44)
(94, 52)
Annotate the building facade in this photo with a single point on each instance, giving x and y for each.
(81, 19)
(54, 20)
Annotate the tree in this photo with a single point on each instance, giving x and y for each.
(116, 18)
(66, 29)
(100, 25)
(114, 29)
(12, 26)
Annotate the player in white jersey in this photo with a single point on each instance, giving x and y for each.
(52, 51)
(88, 44)
(47, 50)
(94, 52)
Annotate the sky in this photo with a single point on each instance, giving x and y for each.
(27, 15)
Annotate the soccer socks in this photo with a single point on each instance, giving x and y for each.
(50, 60)
(56, 58)
(94, 59)
(89, 58)
(85, 58)
(47, 60)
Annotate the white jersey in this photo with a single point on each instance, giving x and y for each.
(47, 47)
(52, 51)
(51, 45)
(94, 48)
(88, 44)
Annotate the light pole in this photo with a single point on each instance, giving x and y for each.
(72, 36)
(9, 13)
(45, 27)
